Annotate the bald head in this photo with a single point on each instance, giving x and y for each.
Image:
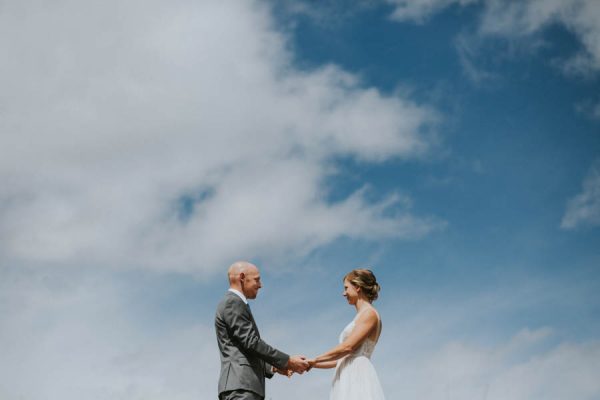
(244, 277)
(238, 267)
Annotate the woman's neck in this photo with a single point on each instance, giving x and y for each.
(361, 304)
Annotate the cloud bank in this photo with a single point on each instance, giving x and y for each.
(516, 369)
(181, 136)
(72, 337)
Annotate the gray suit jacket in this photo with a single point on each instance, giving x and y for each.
(245, 358)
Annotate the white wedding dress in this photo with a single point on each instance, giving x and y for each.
(355, 377)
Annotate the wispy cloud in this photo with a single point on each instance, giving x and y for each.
(518, 20)
(468, 48)
(178, 137)
(522, 19)
(584, 208)
(420, 10)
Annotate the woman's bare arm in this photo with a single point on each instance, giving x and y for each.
(325, 364)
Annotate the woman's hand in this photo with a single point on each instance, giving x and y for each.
(284, 372)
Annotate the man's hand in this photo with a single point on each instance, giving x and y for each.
(298, 364)
(285, 372)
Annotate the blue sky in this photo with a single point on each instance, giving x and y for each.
(453, 146)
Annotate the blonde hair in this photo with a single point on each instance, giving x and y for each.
(366, 281)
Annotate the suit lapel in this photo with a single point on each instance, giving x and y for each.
(247, 308)
(252, 318)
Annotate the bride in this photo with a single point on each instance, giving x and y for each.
(355, 377)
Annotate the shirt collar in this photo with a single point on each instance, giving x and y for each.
(240, 295)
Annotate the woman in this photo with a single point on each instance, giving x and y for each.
(355, 378)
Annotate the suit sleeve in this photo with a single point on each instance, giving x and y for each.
(268, 372)
(243, 332)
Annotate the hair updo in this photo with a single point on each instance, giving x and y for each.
(365, 280)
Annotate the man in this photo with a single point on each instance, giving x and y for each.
(245, 358)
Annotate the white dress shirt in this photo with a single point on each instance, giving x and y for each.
(240, 295)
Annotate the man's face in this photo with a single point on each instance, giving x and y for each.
(250, 280)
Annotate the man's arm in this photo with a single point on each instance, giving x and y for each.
(238, 319)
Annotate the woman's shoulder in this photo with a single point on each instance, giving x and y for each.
(369, 315)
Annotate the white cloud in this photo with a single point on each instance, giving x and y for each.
(513, 370)
(113, 115)
(523, 19)
(467, 347)
(419, 10)
(584, 209)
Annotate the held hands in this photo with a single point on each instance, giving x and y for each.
(298, 364)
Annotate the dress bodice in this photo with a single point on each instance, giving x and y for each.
(367, 346)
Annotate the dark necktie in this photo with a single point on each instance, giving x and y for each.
(252, 318)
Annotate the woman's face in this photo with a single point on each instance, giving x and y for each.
(350, 292)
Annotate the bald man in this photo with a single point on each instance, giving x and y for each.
(245, 358)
